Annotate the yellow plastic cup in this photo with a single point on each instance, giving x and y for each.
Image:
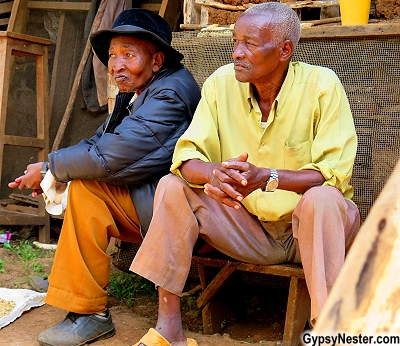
(354, 12)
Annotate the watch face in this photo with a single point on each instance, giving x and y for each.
(272, 185)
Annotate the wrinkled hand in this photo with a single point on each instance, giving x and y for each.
(253, 177)
(30, 180)
(233, 180)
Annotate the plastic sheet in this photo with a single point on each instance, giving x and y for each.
(24, 300)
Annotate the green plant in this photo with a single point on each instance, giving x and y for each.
(26, 252)
(29, 254)
(2, 270)
(125, 286)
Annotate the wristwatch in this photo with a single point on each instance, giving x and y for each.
(273, 181)
(44, 169)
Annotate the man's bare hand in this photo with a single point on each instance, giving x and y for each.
(227, 182)
(30, 180)
(251, 177)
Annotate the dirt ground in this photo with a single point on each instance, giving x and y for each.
(260, 321)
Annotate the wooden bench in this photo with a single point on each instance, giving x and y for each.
(365, 59)
(298, 305)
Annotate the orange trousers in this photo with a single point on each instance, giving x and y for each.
(323, 228)
(95, 212)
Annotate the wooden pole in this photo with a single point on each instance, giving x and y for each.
(78, 76)
(365, 298)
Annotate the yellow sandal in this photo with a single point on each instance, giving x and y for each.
(154, 338)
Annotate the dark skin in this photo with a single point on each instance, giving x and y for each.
(264, 64)
(133, 62)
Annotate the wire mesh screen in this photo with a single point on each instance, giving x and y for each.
(369, 69)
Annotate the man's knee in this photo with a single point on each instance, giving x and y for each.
(170, 182)
(171, 191)
(322, 196)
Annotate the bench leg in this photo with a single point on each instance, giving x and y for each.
(297, 312)
(212, 313)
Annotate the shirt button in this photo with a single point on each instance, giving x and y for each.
(262, 143)
(262, 195)
(262, 219)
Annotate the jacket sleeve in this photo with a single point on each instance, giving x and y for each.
(140, 148)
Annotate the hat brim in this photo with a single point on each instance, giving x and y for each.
(101, 39)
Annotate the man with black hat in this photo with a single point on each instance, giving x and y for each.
(114, 173)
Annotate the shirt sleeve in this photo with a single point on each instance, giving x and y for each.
(200, 141)
(335, 143)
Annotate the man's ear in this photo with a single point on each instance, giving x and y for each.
(159, 59)
(287, 49)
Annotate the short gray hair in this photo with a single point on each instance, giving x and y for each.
(285, 24)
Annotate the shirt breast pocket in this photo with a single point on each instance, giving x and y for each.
(297, 154)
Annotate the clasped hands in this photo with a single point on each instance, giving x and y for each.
(234, 180)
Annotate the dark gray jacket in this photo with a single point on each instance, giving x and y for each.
(134, 147)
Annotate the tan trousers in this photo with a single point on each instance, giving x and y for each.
(95, 212)
(324, 226)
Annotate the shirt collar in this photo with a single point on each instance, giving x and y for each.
(285, 89)
(282, 95)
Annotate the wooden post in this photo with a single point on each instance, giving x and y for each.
(78, 76)
(18, 16)
(365, 298)
(171, 11)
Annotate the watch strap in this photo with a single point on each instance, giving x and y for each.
(44, 169)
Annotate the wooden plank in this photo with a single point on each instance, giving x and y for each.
(77, 79)
(286, 269)
(24, 198)
(297, 311)
(20, 209)
(27, 39)
(59, 6)
(151, 7)
(14, 218)
(204, 18)
(171, 11)
(25, 141)
(6, 7)
(18, 16)
(56, 60)
(294, 5)
(365, 297)
(216, 283)
(221, 6)
(5, 66)
(4, 21)
(312, 4)
(323, 21)
(335, 31)
(191, 12)
(212, 314)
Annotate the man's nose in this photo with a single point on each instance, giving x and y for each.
(117, 64)
(237, 52)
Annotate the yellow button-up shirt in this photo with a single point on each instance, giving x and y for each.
(310, 126)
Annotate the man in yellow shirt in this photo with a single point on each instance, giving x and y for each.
(261, 174)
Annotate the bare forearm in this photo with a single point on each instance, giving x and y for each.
(197, 171)
(299, 181)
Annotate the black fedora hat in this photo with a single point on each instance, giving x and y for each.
(141, 23)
